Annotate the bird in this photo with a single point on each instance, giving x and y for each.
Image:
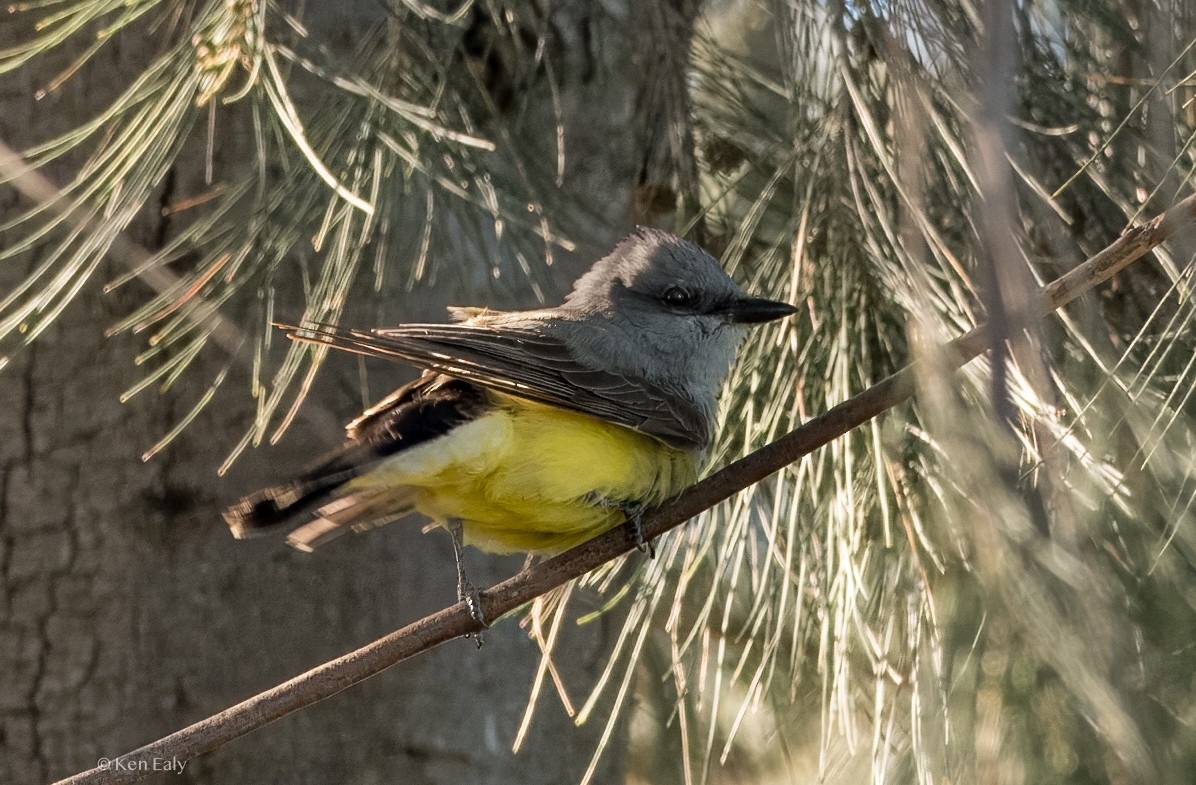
(534, 430)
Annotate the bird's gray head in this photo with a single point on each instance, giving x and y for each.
(667, 312)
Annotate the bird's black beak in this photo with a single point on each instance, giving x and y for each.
(751, 310)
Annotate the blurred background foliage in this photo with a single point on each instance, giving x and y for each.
(992, 583)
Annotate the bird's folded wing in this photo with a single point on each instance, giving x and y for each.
(527, 363)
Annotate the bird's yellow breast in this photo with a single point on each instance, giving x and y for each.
(529, 477)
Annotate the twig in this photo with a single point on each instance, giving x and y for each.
(453, 622)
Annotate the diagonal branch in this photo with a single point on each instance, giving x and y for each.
(453, 622)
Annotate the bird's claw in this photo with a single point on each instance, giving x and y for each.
(466, 591)
(635, 517)
(469, 594)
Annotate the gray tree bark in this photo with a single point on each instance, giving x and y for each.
(126, 609)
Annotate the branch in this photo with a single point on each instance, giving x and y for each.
(453, 622)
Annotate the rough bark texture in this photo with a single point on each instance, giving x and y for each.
(126, 609)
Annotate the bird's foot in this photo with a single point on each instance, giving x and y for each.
(469, 594)
(466, 591)
(635, 518)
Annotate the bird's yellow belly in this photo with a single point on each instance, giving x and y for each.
(528, 477)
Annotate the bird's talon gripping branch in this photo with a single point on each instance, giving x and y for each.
(473, 600)
(635, 518)
(466, 591)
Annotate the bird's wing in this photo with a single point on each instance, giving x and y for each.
(528, 363)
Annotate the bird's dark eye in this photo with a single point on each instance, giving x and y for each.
(676, 297)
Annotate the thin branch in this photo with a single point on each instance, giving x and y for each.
(453, 622)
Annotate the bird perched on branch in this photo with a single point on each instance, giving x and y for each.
(533, 430)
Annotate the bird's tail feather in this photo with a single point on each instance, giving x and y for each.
(263, 510)
(360, 511)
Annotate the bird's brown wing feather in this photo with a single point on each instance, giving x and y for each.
(527, 363)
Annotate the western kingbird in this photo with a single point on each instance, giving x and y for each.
(534, 430)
